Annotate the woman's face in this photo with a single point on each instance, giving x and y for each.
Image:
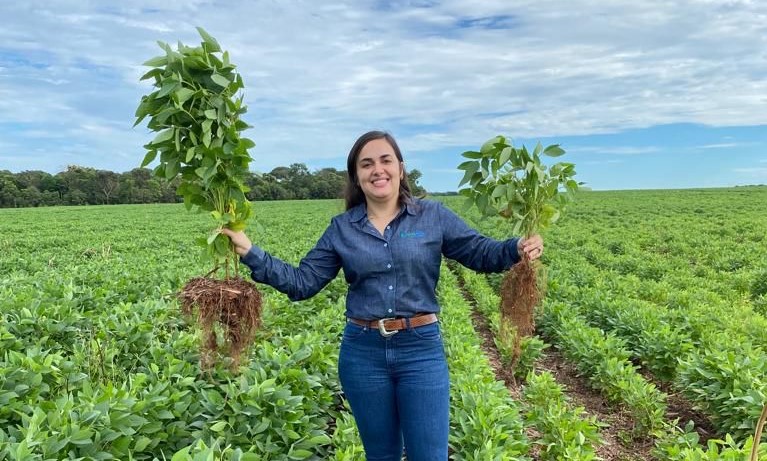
(378, 171)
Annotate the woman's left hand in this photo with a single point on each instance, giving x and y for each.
(532, 247)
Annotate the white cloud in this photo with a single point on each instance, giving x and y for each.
(318, 75)
(723, 145)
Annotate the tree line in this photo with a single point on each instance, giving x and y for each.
(78, 185)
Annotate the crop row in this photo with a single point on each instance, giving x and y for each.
(723, 372)
(566, 431)
(485, 421)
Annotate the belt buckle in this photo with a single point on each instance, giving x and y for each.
(382, 329)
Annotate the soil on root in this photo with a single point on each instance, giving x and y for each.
(520, 294)
(234, 304)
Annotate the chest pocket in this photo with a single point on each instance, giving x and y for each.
(416, 245)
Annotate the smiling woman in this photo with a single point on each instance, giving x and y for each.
(392, 364)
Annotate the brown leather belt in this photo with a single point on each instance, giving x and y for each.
(388, 327)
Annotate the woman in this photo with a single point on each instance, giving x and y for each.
(392, 364)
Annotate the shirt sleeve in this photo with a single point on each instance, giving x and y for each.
(472, 249)
(320, 265)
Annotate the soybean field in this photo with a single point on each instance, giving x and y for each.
(650, 343)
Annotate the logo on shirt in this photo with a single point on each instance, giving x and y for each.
(414, 234)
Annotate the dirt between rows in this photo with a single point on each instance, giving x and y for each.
(616, 434)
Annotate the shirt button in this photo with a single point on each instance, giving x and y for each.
(391, 287)
(388, 266)
(388, 227)
(390, 311)
(386, 244)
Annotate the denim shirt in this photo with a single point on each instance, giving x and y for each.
(389, 275)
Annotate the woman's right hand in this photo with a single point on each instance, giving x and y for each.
(241, 241)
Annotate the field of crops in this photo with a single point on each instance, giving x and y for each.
(651, 295)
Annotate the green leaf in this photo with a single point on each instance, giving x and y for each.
(505, 155)
(482, 203)
(151, 73)
(158, 61)
(237, 225)
(183, 94)
(213, 45)
(167, 88)
(553, 150)
(489, 145)
(81, 437)
(163, 136)
(467, 164)
(181, 455)
(499, 191)
(211, 114)
(300, 454)
(222, 244)
(470, 170)
(220, 80)
(148, 158)
(141, 443)
(171, 170)
(472, 154)
(219, 426)
(476, 179)
(206, 139)
(213, 235)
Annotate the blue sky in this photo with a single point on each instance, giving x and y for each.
(647, 94)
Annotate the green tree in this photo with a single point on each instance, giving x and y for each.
(9, 191)
(413, 177)
(108, 183)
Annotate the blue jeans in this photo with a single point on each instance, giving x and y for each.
(399, 391)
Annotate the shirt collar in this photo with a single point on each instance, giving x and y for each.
(360, 211)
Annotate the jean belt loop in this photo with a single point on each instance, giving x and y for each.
(407, 322)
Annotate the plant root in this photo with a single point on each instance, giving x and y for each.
(234, 304)
(520, 294)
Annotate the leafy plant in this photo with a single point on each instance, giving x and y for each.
(759, 285)
(567, 431)
(515, 184)
(195, 111)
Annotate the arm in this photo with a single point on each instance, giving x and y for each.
(481, 253)
(316, 269)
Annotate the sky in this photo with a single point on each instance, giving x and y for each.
(640, 94)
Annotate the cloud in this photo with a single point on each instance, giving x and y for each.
(437, 75)
(723, 145)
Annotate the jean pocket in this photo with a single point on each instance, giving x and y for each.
(352, 331)
(429, 332)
